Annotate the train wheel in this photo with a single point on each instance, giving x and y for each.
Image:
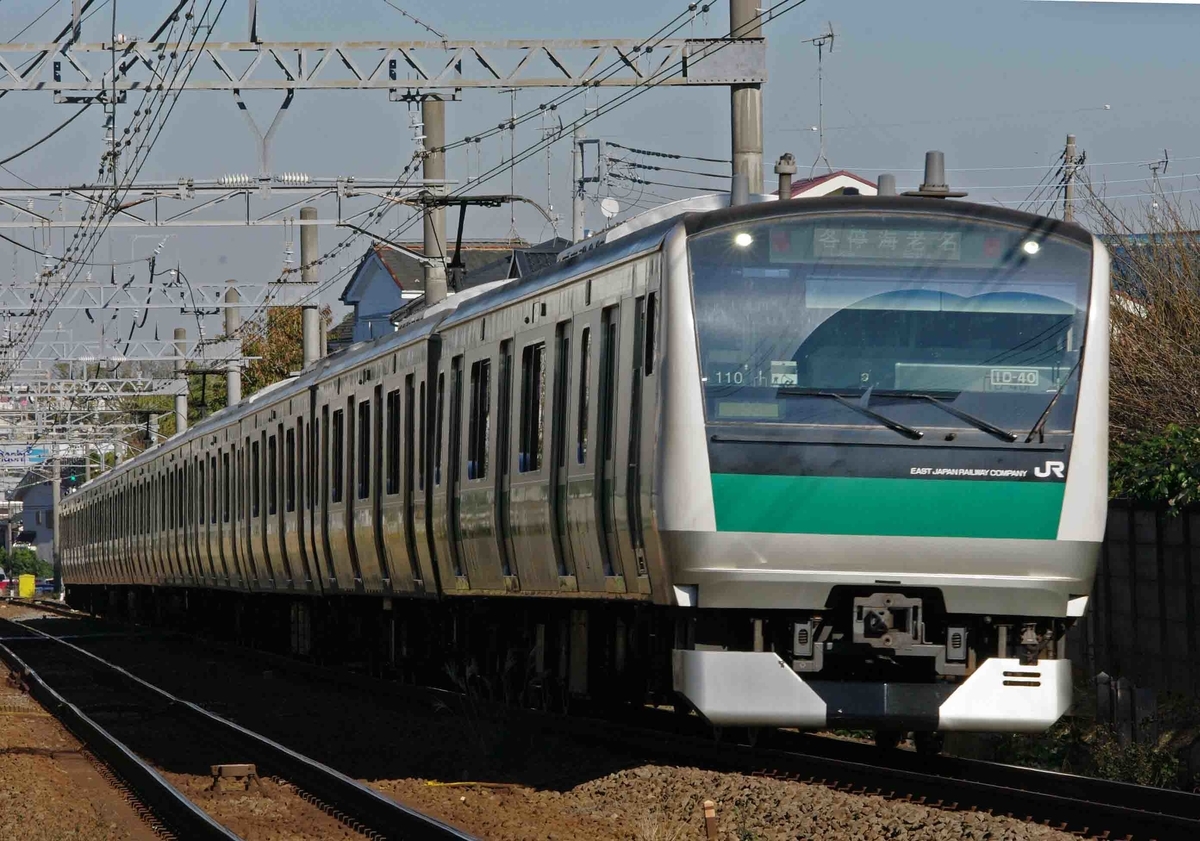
(928, 743)
(888, 739)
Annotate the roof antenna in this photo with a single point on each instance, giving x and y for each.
(820, 42)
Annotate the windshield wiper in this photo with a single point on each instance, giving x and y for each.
(978, 423)
(1039, 428)
(860, 407)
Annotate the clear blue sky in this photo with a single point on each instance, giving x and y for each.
(997, 84)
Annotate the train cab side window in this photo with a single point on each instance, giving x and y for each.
(585, 368)
(364, 449)
(290, 495)
(337, 470)
(392, 408)
(533, 408)
(651, 332)
(479, 425)
(272, 475)
(437, 447)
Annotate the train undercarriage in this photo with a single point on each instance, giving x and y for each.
(893, 662)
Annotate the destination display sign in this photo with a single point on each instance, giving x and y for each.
(886, 244)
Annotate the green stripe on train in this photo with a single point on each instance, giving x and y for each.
(912, 507)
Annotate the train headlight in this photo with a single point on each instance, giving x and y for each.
(1031, 247)
(742, 240)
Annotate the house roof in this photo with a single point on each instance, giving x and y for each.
(526, 261)
(831, 182)
(341, 333)
(408, 274)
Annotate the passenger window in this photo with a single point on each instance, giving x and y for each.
(437, 448)
(585, 368)
(225, 483)
(338, 468)
(202, 497)
(651, 322)
(272, 475)
(364, 449)
(255, 482)
(290, 455)
(479, 428)
(533, 408)
(393, 441)
(421, 410)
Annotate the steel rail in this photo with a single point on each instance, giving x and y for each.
(370, 808)
(1087, 806)
(168, 804)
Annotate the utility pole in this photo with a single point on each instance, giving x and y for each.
(433, 116)
(181, 400)
(746, 105)
(578, 208)
(1069, 180)
(309, 274)
(55, 504)
(233, 323)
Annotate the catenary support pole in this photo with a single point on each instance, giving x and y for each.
(578, 205)
(433, 115)
(233, 368)
(309, 274)
(181, 400)
(1069, 180)
(746, 104)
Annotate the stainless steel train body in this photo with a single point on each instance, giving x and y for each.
(852, 449)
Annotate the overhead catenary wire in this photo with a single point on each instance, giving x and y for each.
(42, 140)
(671, 155)
(655, 168)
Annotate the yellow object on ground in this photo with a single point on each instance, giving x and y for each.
(26, 586)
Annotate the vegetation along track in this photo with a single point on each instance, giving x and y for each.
(176, 733)
(1086, 806)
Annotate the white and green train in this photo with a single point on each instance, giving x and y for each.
(826, 462)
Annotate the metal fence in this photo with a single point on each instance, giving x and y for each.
(1143, 620)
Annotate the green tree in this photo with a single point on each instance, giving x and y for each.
(24, 561)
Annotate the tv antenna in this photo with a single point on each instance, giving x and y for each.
(1159, 166)
(820, 42)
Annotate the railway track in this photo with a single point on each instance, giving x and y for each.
(1085, 806)
(72, 682)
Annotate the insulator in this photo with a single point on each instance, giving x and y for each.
(293, 178)
(237, 179)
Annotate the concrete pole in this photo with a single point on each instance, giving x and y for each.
(746, 105)
(433, 115)
(233, 368)
(181, 400)
(578, 207)
(785, 168)
(309, 273)
(1069, 186)
(55, 504)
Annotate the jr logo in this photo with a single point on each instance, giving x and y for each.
(1050, 468)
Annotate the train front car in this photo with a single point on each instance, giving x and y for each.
(883, 472)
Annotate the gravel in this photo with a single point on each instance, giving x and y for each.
(522, 785)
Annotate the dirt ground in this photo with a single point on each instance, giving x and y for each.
(49, 790)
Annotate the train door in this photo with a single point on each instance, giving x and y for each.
(477, 486)
(529, 483)
(447, 448)
(276, 548)
(582, 533)
(503, 465)
(392, 493)
(291, 534)
(337, 470)
(412, 464)
(426, 412)
(361, 504)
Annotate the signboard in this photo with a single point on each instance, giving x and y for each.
(21, 454)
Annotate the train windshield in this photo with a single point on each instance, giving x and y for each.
(889, 310)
